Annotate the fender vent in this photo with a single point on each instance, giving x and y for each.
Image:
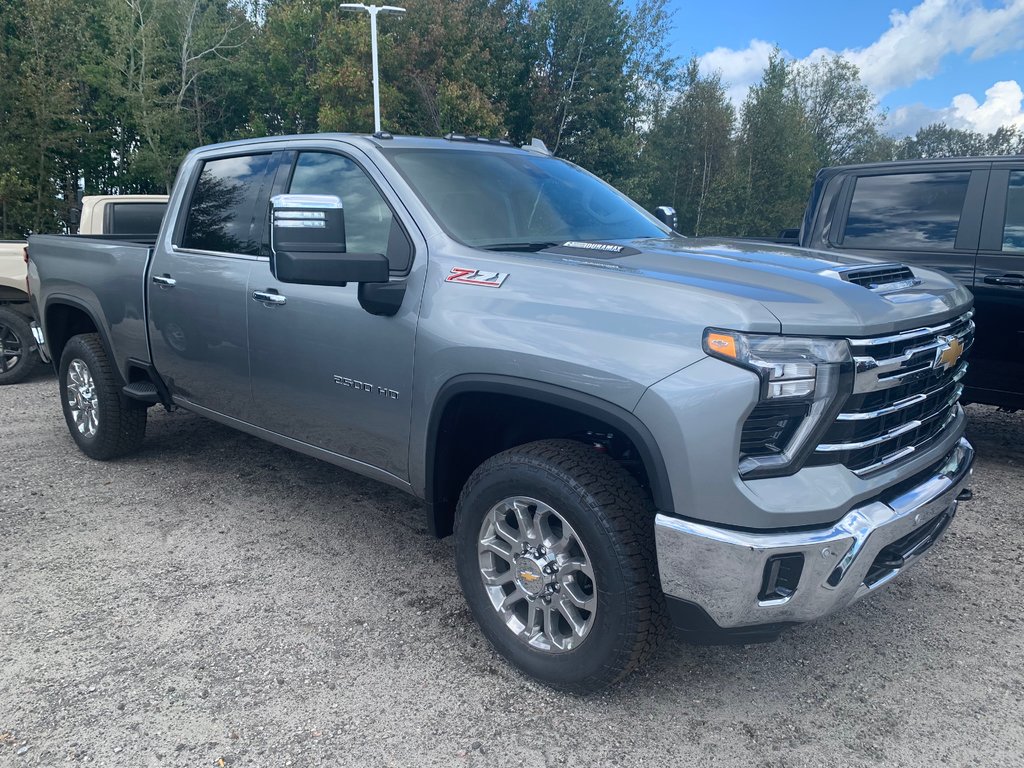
(880, 277)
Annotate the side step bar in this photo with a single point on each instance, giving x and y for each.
(149, 390)
(143, 391)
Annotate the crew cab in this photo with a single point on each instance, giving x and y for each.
(621, 426)
(963, 216)
(114, 215)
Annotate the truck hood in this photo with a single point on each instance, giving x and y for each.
(802, 288)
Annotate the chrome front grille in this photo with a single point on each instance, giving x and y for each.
(905, 395)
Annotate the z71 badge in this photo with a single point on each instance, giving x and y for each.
(469, 276)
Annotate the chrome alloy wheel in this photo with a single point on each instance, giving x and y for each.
(537, 574)
(82, 400)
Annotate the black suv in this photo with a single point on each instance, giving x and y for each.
(964, 216)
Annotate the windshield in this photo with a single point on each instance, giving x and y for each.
(497, 199)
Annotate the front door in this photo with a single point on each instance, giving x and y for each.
(324, 370)
(997, 359)
(197, 290)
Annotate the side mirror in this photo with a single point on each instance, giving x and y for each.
(307, 243)
(666, 214)
(74, 219)
(75, 212)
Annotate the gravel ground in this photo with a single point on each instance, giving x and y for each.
(216, 598)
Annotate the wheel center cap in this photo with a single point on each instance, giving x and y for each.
(530, 576)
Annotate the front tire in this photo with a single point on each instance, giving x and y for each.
(555, 553)
(102, 421)
(17, 348)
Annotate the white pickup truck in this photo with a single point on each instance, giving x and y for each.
(116, 216)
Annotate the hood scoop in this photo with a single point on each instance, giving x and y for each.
(881, 278)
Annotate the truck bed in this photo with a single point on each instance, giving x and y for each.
(105, 276)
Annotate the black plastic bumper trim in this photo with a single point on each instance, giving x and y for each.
(694, 625)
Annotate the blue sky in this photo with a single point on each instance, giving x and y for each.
(958, 61)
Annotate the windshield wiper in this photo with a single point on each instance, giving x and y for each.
(527, 247)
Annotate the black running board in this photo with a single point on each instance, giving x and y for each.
(143, 391)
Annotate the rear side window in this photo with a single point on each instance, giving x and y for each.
(1013, 229)
(906, 211)
(222, 208)
(135, 218)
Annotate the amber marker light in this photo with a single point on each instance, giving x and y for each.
(721, 344)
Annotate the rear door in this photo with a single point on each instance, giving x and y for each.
(197, 290)
(997, 360)
(325, 371)
(929, 216)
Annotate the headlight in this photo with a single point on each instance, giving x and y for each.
(804, 383)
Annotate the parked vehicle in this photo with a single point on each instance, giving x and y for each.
(964, 216)
(618, 424)
(121, 214)
(114, 215)
(17, 348)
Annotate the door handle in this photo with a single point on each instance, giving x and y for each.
(1005, 279)
(269, 299)
(165, 280)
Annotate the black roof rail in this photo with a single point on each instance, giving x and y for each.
(474, 138)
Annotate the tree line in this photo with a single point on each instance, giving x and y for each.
(115, 92)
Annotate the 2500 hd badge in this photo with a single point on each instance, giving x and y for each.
(365, 386)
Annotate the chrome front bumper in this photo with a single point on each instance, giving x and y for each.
(724, 571)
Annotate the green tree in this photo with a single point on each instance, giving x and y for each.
(580, 86)
(460, 59)
(939, 140)
(776, 160)
(285, 61)
(176, 79)
(1007, 140)
(688, 152)
(41, 121)
(842, 113)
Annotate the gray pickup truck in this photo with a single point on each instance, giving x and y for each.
(622, 427)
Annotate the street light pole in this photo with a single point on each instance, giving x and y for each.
(373, 10)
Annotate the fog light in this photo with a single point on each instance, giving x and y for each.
(781, 577)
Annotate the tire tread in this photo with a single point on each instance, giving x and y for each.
(626, 511)
(122, 421)
(30, 358)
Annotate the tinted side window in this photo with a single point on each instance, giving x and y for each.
(907, 211)
(368, 219)
(220, 214)
(136, 218)
(1013, 229)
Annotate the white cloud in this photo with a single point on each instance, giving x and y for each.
(739, 69)
(916, 42)
(1003, 105)
(911, 49)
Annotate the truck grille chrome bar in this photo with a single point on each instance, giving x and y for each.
(905, 396)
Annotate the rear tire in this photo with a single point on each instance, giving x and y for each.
(18, 357)
(576, 616)
(103, 422)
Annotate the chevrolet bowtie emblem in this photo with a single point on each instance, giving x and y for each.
(950, 353)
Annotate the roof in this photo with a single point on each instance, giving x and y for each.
(385, 140)
(952, 161)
